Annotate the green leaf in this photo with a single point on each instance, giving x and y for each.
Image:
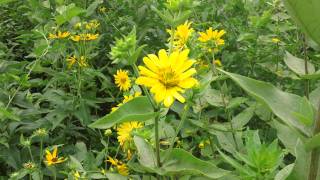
(305, 113)
(146, 154)
(69, 12)
(313, 142)
(243, 118)
(180, 161)
(297, 65)
(306, 13)
(6, 114)
(93, 6)
(284, 173)
(302, 163)
(137, 109)
(2, 2)
(281, 103)
(315, 97)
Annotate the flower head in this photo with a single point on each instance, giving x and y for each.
(181, 35)
(211, 35)
(125, 129)
(121, 167)
(29, 165)
(122, 80)
(76, 175)
(92, 24)
(52, 158)
(59, 35)
(217, 62)
(275, 40)
(82, 61)
(167, 75)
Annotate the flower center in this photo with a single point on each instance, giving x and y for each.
(55, 159)
(123, 80)
(169, 78)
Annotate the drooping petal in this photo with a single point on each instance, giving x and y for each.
(168, 101)
(188, 73)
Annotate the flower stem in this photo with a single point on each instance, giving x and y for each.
(182, 121)
(30, 153)
(41, 149)
(156, 134)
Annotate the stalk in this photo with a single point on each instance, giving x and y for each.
(307, 82)
(314, 163)
(156, 132)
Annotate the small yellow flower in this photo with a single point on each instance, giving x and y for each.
(167, 75)
(126, 99)
(122, 80)
(82, 62)
(29, 165)
(76, 175)
(181, 35)
(121, 167)
(125, 129)
(52, 158)
(77, 25)
(59, 35)
(217, 62)
(275, 40)
(92, 25)
(71, 61)
(89, 37)
(211, 35)
(75, 38)
(201, 145)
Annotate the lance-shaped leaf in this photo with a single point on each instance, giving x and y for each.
(137, 109)
(284, 105)
(306, 13)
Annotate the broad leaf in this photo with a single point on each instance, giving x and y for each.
(297, 65)
(137, 109)
(68, 13)
(180, 161)
(283, 104)
(306, 13)
(284, 173)
(146, 153)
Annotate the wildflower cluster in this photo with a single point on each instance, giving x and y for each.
(121, 167)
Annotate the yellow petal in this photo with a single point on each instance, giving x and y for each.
(179, 97)
(54, 154)
(188, 73)
(168, 101)
(188, 83)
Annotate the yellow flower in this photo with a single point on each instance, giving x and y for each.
(89, 37)
(126, 99)
(77, 25)
(181, 35)
(201, 145)
(121, 167)
(125, 129)
(75, 38)
(76, 175)
(275, 40)
(59, 35)
(167, 75)
(52, 158)
(217, 62)
(71, 61)
(122, 80)
(82, 62)
(212, 35)
(92, 24)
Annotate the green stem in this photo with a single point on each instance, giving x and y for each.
(41, 151)
(307, 82)
(314, 163)
(31, 156)
(182, 121)
(156, 133)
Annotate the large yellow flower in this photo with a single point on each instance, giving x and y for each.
(215, 36)
(167, 75)
(181, 35)
(124, 131)
(122, 80)
(52, 158)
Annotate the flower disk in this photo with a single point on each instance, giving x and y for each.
(122, 80)
(167, 75)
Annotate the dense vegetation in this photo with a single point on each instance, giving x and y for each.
(159, 89)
